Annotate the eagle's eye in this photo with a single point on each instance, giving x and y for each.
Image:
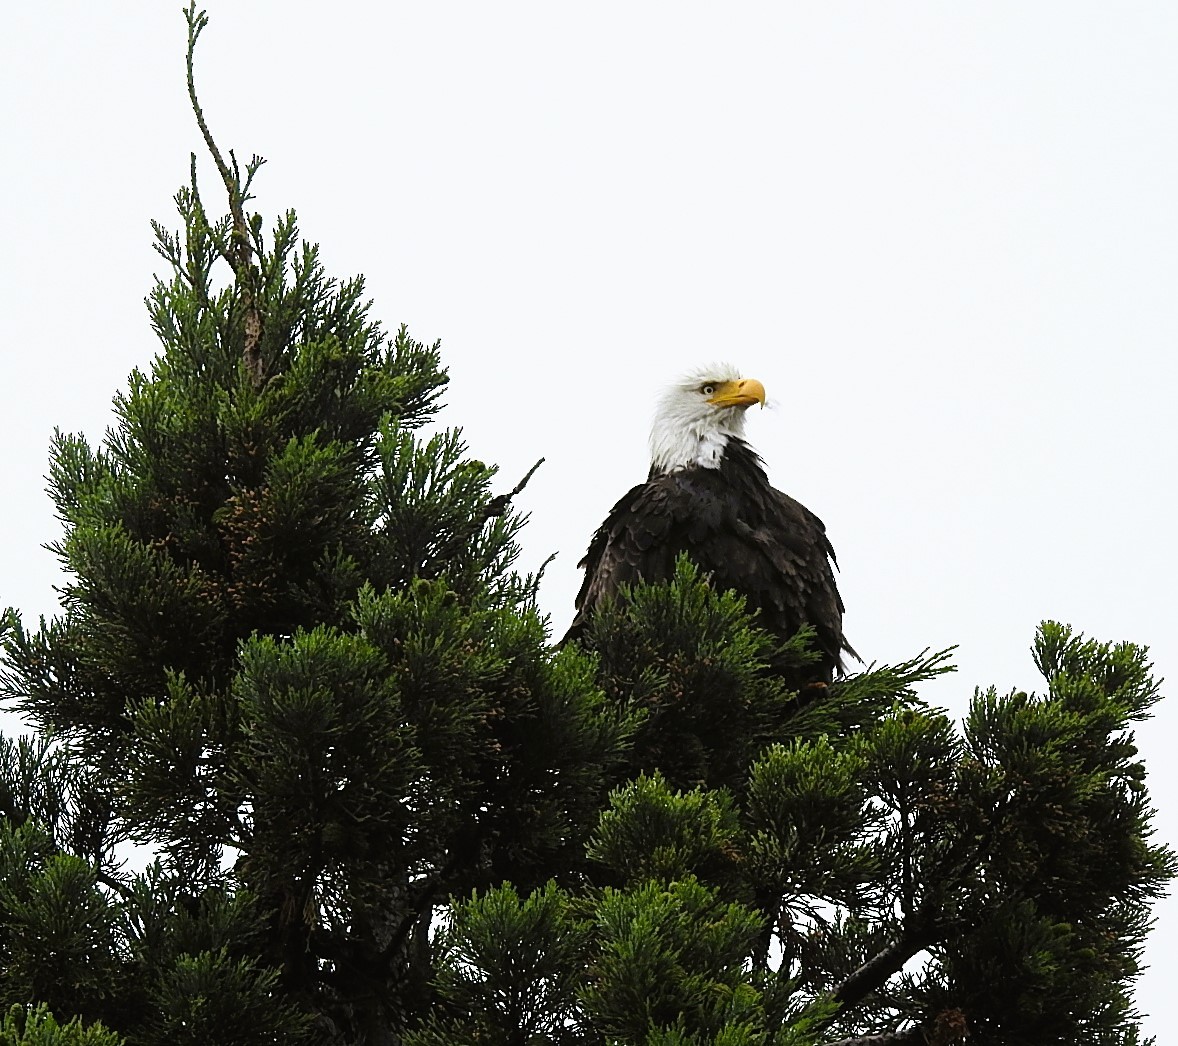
(708, 390)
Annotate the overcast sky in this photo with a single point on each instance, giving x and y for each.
(944, 236)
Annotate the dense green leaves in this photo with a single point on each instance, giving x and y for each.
(672, 959)
(55, 926)
(36, 1026)
(509, 971)
(651, 833)
(293, 660)
(209, 997)
(296, 672)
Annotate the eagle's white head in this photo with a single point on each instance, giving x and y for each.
(698, 415)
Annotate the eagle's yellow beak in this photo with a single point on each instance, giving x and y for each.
(743, 393)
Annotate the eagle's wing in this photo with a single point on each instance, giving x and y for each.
(746, 535)
(803, 588)
(640, 539)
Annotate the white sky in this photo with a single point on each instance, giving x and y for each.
(944, 236)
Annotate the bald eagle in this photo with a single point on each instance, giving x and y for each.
(707, 495)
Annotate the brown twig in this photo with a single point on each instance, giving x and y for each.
(241, 252)
(876, 970)
(499, 504)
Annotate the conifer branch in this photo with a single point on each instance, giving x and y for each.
(240, 251)
(876, 970)
(496, 506)
(109, 881)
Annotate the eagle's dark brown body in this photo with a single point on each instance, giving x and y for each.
(745, 534)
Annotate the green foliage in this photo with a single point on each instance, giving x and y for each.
(1014, 857)
(691, 661)
(649, 832)
(672, 959)
(56, 940)
(509, 971)
(195, 969)
(655, 963)
(295, 662)
(425, 491)
(210, 997)
(810, 830)
(1068, 873)
(36, 1026)
(40, 784)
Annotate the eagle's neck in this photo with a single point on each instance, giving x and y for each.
(734, 456)
(693, 444)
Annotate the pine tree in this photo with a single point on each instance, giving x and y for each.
(893, 881)
(295, 665)
(293, 659)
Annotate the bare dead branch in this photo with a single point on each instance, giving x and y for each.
(499, 504)
(241, 251)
